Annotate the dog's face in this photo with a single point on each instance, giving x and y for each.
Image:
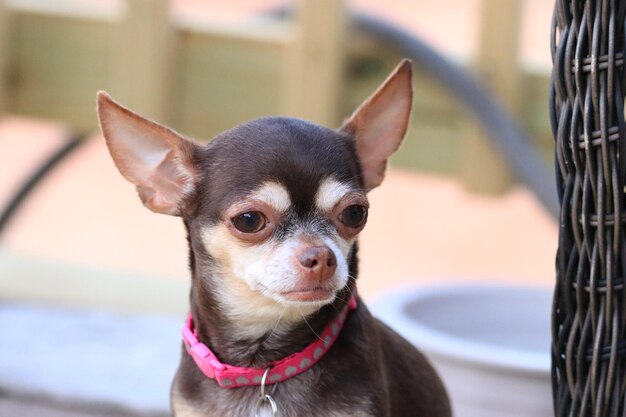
(280, 207)
(273, 206)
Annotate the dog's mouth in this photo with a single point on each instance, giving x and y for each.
(314, 294)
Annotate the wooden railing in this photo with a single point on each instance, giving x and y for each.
(202, 78)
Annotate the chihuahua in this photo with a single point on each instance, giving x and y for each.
(273, 209)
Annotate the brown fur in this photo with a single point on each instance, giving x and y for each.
(370, 370)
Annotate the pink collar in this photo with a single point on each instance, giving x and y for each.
(229, 376)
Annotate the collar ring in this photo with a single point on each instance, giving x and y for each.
(263, 379)
(261, 402)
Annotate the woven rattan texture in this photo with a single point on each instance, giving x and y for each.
(587, 115)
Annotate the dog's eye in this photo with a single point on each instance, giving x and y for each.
(354, 216)
(250, 222)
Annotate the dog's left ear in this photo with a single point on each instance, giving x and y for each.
(154, 158)
(380, 123)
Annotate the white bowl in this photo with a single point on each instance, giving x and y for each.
(490, 343)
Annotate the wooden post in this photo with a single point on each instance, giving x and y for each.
(5, 33)
(142, 52)
(483, 168)
(313, 76)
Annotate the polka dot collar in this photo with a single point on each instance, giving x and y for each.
(229, 376)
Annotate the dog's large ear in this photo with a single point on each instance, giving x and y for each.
(379, 124)
(154, 158)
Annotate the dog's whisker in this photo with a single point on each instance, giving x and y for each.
(308, 324)
(275, 326)
(350, 293)
(348, 290)
(340, 299)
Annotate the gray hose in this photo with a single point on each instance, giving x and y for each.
(504, 132)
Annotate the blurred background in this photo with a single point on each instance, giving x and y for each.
(461, 203)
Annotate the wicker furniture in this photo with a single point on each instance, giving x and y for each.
(587, 115)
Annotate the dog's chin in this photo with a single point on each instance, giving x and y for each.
(308, 299)
(304, 297)
(319, 296)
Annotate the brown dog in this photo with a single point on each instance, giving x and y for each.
(273, 208)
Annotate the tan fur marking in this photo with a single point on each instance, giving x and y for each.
(274, 194)
(260, 312)
(330, 192)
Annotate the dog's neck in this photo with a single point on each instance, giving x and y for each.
(247, 343)
(231, 345)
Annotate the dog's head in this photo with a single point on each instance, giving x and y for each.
(273, 206)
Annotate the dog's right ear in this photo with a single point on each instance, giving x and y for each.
(154, 158)
(380, 123)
